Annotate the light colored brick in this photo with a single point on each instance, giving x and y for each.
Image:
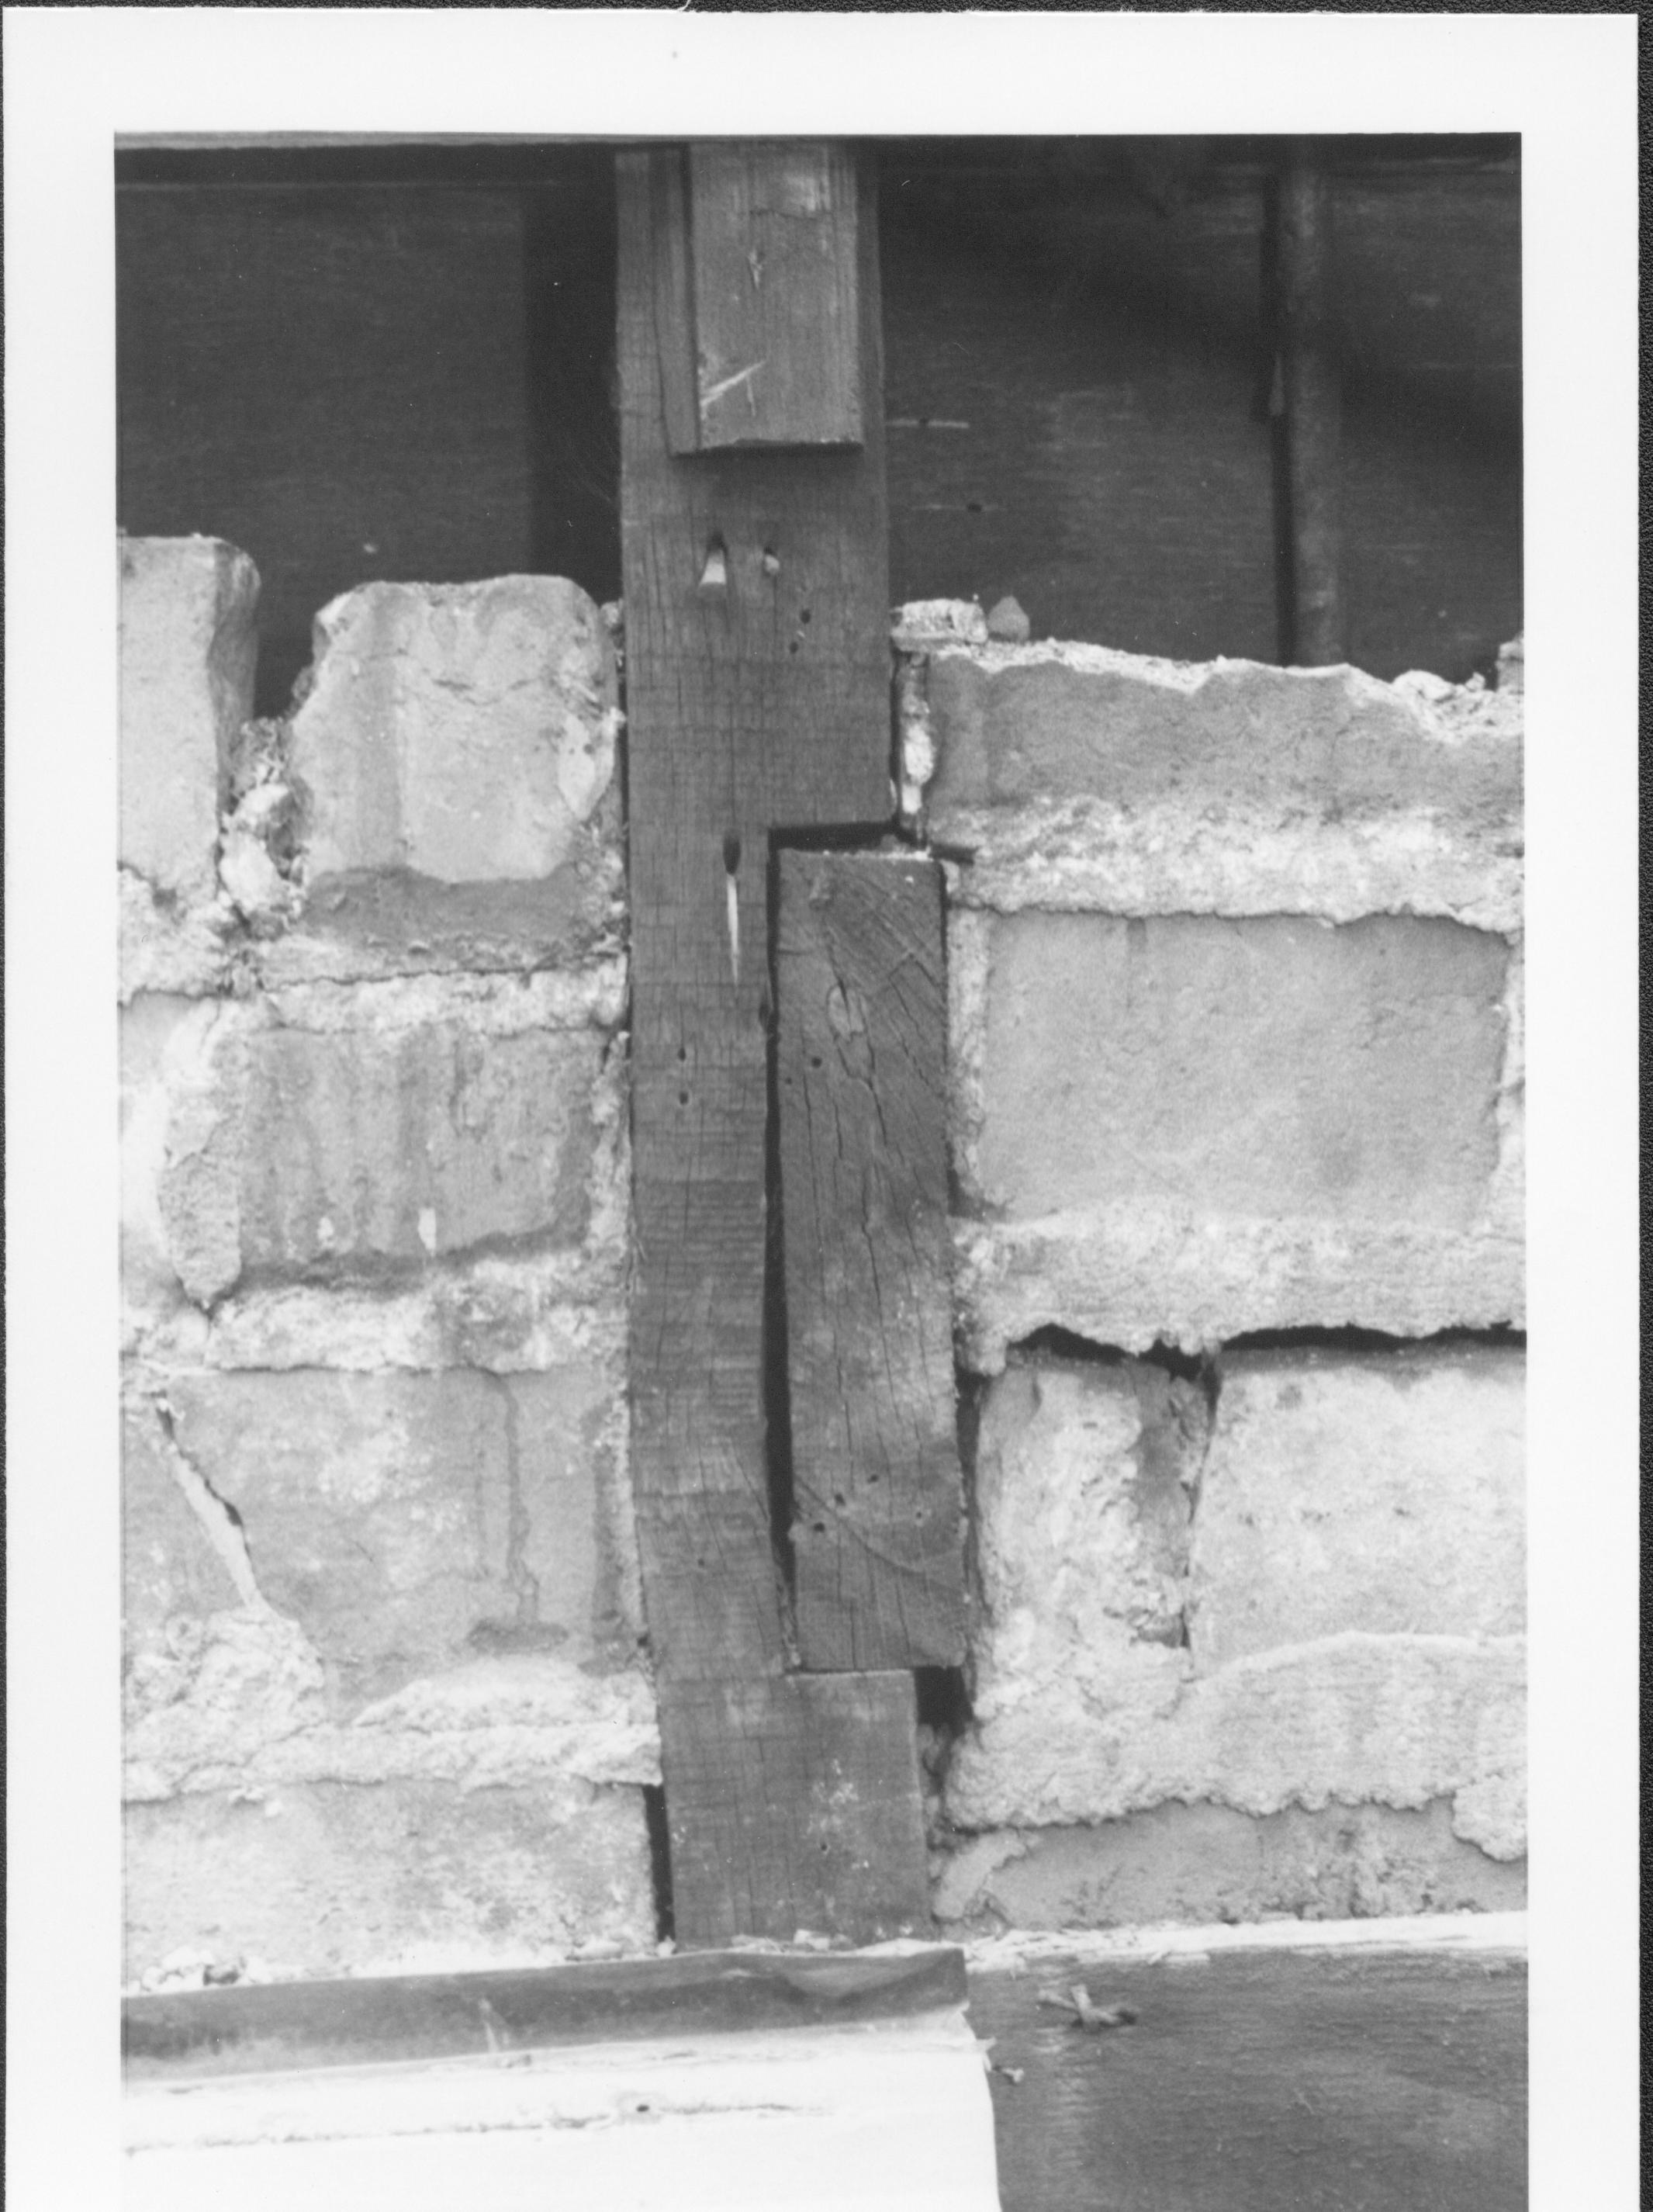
(1266, 1066)
(404, 1520)
(362, 1148)
(1089, 1704)
(188, 645)
(372, 1128)
(464, 732)
(1083, 777)
(1383, 1493)
(1181, 1128)
(404, 1877)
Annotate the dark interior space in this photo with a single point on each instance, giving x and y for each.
(396, 362)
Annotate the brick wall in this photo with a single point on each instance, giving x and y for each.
(1236, 1118)
(1235, 973)
(385, 1702)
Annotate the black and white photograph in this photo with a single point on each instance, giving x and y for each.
(770, 1207)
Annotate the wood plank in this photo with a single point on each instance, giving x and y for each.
(861, 1004)
(758, 698)
(378, 2020)
(1262, 2082)
(794, 1804)
(776, 327)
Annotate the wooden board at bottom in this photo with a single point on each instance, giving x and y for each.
(1262, 2082)
(816, 1774)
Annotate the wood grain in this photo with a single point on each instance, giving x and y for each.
(378, 2020)
(758, 706)
(876, 1535)
(794, 1804)
(776, 298)
(1263, 2083)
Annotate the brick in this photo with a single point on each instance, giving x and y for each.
(464, 732)
(324, 1879)
(406, 1520)
(1263, 1067)
(1090, 1704)
(1383, 1493)
(188, 645)
(366, 1145)
(358, 1132)
(1080, 776)
(1181, 1129)
(1206, 1863)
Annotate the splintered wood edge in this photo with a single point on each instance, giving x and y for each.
(277, 2026)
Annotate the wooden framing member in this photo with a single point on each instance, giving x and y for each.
(758, 702)
(877, 1507)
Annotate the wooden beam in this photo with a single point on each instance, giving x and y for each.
(776, 296)
(877, 1530)
(794, 1804)
(758, 700)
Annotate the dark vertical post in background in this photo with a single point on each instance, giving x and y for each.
(1310, 396)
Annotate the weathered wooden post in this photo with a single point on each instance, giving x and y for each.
(753, 541)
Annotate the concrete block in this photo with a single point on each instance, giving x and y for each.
(406, 1520)
(1181, 1128)
(1083, 777)
(1383, 1493)
(407, 1877)
(363, 1147)
(188, 645)
(361, 1130)
(1266, 1067)
(463, 731)
(1090, 1705)
(1207, 1863)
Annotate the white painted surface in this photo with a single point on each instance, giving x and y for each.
(882, 2118)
